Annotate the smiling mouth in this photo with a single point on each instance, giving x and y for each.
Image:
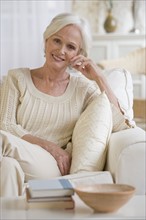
(58, 59)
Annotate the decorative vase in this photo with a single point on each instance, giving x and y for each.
(110, 23)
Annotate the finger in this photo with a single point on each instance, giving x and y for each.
(77, 61)
(78, 57)
(64, 167)
(67, 164)
(61, 168)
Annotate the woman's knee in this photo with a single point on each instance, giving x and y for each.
(33, 160)
(45, 167)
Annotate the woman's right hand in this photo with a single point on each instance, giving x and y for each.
(62, 157)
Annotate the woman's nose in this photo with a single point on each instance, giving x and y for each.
(62, 49)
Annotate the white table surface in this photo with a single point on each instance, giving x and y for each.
(12, 208)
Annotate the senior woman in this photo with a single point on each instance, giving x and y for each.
(40, 107)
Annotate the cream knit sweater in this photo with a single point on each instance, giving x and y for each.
(26, 110)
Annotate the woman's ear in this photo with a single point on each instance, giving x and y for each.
(44, 52)
(45, 45)
(83, 52)
(80, 51)
(44, 49)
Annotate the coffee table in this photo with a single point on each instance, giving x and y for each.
(15, 208)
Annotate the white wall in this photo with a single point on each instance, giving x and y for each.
(130, 14)
(22, 27)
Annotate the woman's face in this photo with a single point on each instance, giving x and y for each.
(62, 46)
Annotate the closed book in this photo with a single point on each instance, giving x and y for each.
(50, 188)
(44, 203)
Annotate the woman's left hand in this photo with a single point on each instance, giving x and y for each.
(89, 69)
(86, 66)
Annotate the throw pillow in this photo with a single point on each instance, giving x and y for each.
(121, 83)
(91, 135)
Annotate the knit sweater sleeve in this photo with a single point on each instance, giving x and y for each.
(12, 90)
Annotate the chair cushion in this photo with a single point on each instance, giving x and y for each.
(90, 136)
(121, 83)
(126, 158)
(133, 62)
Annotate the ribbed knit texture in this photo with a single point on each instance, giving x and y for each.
(26, 110)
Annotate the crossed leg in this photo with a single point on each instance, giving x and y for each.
(28, 161)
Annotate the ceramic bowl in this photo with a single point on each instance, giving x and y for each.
(105, 197)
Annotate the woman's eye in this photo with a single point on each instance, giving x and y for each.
(56, 40)
(71, 47)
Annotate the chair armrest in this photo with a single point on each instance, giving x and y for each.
(126, 157)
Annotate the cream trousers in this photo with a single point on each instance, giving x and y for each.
(21, 161)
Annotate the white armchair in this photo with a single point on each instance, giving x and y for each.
(126, 150)
(126, 158)
(125, 162)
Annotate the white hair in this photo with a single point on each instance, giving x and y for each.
(65, 19)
